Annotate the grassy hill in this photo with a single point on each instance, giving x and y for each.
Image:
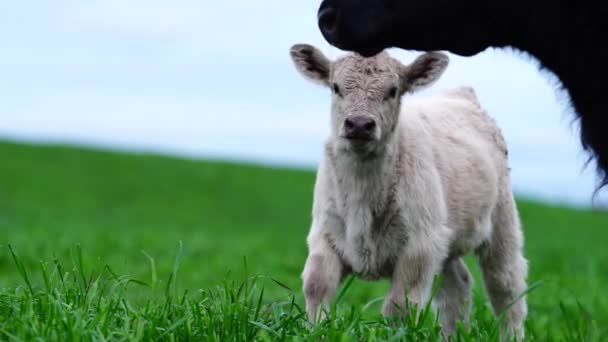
(121, 210)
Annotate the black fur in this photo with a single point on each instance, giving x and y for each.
(568, 37)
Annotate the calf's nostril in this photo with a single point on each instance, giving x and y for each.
(349, 124)
(368, 126)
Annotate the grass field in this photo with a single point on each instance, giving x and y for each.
(96, 237)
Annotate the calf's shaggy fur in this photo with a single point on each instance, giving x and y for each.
(413, 190)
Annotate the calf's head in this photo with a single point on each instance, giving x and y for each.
(366, 92)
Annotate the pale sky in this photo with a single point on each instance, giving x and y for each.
(214, 79)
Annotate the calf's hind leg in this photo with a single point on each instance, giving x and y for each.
(505, 269)
(321, 276)
(453, 300)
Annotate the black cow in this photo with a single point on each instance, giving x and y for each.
(568, 37)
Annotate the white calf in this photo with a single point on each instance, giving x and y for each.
(404, 193)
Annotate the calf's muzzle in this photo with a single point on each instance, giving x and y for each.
(359, 127)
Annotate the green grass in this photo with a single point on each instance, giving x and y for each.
(98, 257)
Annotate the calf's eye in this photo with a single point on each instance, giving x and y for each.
(335, 89)
(392, 93)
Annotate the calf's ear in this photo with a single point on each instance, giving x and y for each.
(424, 71)
(311, 63)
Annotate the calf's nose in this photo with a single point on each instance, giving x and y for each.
(359, 127)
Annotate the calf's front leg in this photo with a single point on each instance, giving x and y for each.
(322, 275)
(413, 273)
